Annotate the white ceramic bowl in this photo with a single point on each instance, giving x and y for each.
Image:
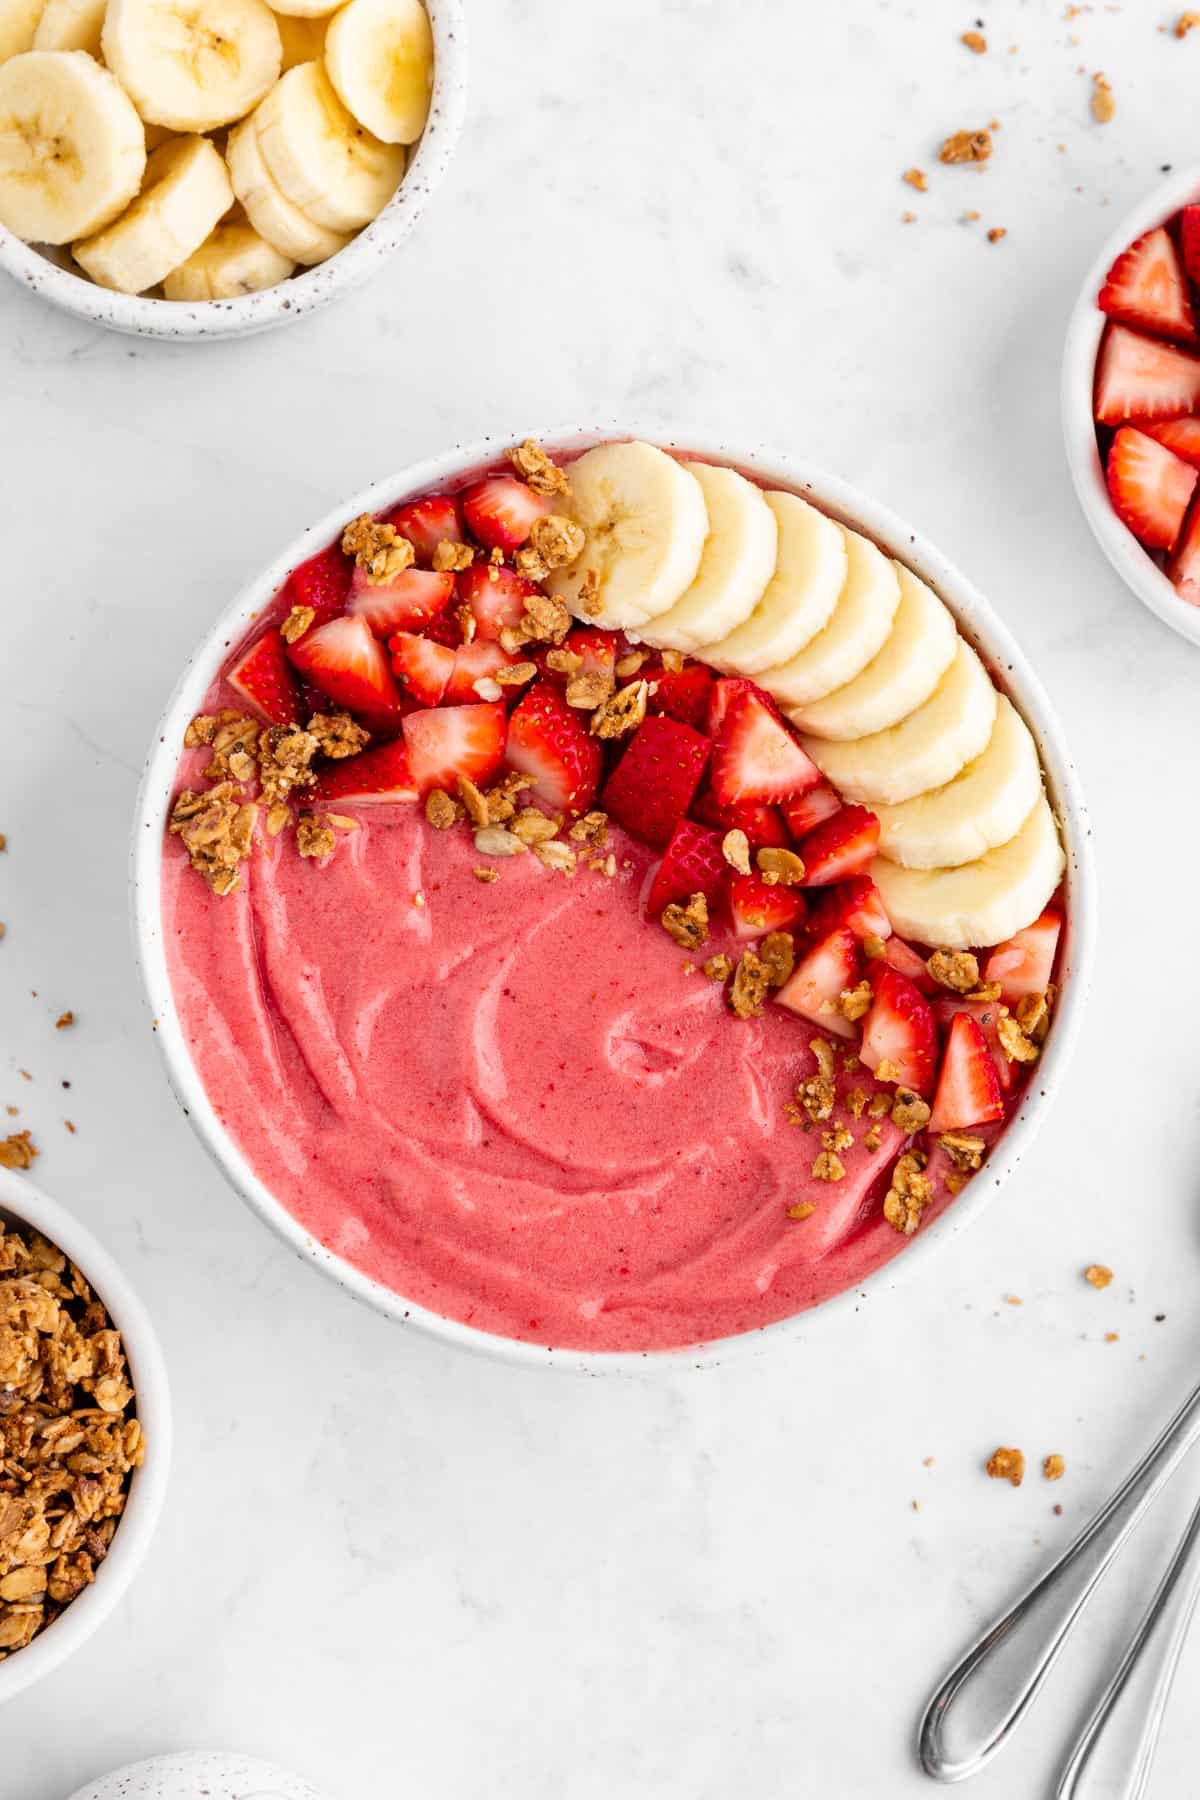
(1137, 570)
(979, 623)
(190, 1774)
(140, 316)
(22, 1203)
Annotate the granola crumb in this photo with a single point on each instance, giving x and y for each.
(377, 549)
(735, 848)
(955, 1181)
(484, 874)
(749, 987)
(916, 178)
(910, 1193)
(622, 711)
(856, 1102)
(1186, 22)
(873, 1138)
(298, 621)
(969, 218)
(338, 735)
(63, 1020)
(854, 1003)
(553, 543)
(719, 968)
(996, 233)
(1111, 1337)
(816, 1097)
(777, 953)
(975, 41)
(966, 147)
(545, 620)
(533, 465)
(589, 598)
(559, 857)
(1054, 1467)
(535, 827)
(498, 840)
(17, 1151)
(1104, 106)
(217, 831)
(956, 970)
(1033, 1015)
(315, 836)
(909, 1112)
(873, 948)
(515, 674)
(779, 866)
(837, 1138)
(965, 1151)
(440, 809)
(828, 1167)
(629, 664)
(591, 829)
(450, 558)
(70, 1126)
(686, 924)
(908, 218)
(1006, 1465)
(1098, 1275)
(822, 1049)
(803, 1209)
(1013, 1041)
(878, 1105)
(3, 842)
(888, 1071)
(1013, 1300)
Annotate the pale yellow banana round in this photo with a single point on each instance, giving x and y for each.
(320, 156)
(303, 40)
(72, 151)
(379, 56)
(232, 262)
(185, 193)
(18, 26)
(270, 212)
(192, 64)
(736, 563)
(857, 630)
(918, 651)
(810, 573)
(71, 25)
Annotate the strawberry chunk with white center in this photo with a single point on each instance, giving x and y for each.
(501, 511)
(428, 522)
(1184, 566)
(409, 602)
(497, 597)
(263, 677)
(968, 1092)
(349, 664)
(656, 779)
(756, 757)
(1145, 287)
(757, 907)
(903, 958)
(1150, 487)
(548, 740)
(1180, 435)
(1139, 378)
(381, 777)
(474, 665)
(900, 1039)
(1025, 964)
(844, 845)
(819, 980)
(856, 903)
(424, 667)
(693, 863)
(448, 741)
(804, 812)
(947, 1007)
(680, 693)
(721, 697)
(321, 583)
(762, 823)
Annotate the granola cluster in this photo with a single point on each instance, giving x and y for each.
(503, 827)
(68, 1442)
(377, 549)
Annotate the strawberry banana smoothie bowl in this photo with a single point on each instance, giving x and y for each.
(609, 903)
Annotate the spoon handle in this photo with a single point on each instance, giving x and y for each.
(1112, 1758)
(986, 1693)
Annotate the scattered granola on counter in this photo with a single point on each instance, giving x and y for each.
(1054, 1467)
(966, 147)
(1098, 1275)
(17, 1150)
(974, 41)
(1006, 1465)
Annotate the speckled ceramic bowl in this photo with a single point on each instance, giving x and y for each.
(141, 316)
(981, 625)
(213, 1774)
(22, 1203)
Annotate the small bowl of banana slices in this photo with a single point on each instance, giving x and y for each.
(207, 168)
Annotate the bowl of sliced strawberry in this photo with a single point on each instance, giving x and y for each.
(1131, 401)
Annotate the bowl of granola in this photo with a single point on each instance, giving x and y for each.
(85, 1429)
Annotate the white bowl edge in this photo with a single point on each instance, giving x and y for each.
(979, 622)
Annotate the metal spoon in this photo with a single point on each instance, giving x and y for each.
(985, 1694)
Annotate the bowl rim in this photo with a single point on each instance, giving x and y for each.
(972, 613)
(23, 1201)
(1085, 328)
(313, 287)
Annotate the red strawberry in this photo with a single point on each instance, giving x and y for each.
(376, 778)
(446, 630)
(428, 522)
(424, 667)
(803, 812)
(1184, 566)
(1149, 487)
(900, 1040)
(501, 511)
(474, 662)
(322, 583)
(693, 863)
(655, 781)
(757, 907)
(762, 824)
(263, 677)
(409, 602)
(680, 693)
(1137, 378)
(549, 740)
(496, 595)
(1189, 237)
(1025, 964)
(721, 697)
(903, 958)
(947, 1007)
(856, 903)
(1145, 287)
(346, 662)
(596, 650)
(968, 1092)
(756, 757)
(1180, 435)
(813, 990)
(444, 742)
(844, 845)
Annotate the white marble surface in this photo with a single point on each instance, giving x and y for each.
(406, 1571)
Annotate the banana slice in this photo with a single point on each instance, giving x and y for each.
(646, 523)
(306, 9)
(284, 226)
(192, 64)
(185, 192)
(982, 902)
(857, 630)
(320, 156)
(735, 567)
(72, 151)
(18, 26)
(303, 40)
(233, 261)
(379, 57)
(70, 25)
(924, 751)
(810, 573)
(919, 650)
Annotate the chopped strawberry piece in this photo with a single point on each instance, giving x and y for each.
(549, 740)
(1025, 964)
(680, 693)
(445, 630)
(820, 978)
(756, 757)
(501, 511)
(1145, 287)
(497, 596)
(1189, 239)
(409, 602)
(378, 777)
(693, 863)
(900, 1038)
(1138, 378)
(947, 1007)
(346, 662)
(322, 582)
(844, 845)
(445, 742)
(903, 958)
(656, 779)
(1180, 435)
(428, 522)
(596, 650)
(473, 662)
(968, 1092)
(804, 812)
(1184, 567)
(757, 907)
(423, 666)
(762, 824)
(263, 677)
(1149, 487)
(856, 903)
(721, 697)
